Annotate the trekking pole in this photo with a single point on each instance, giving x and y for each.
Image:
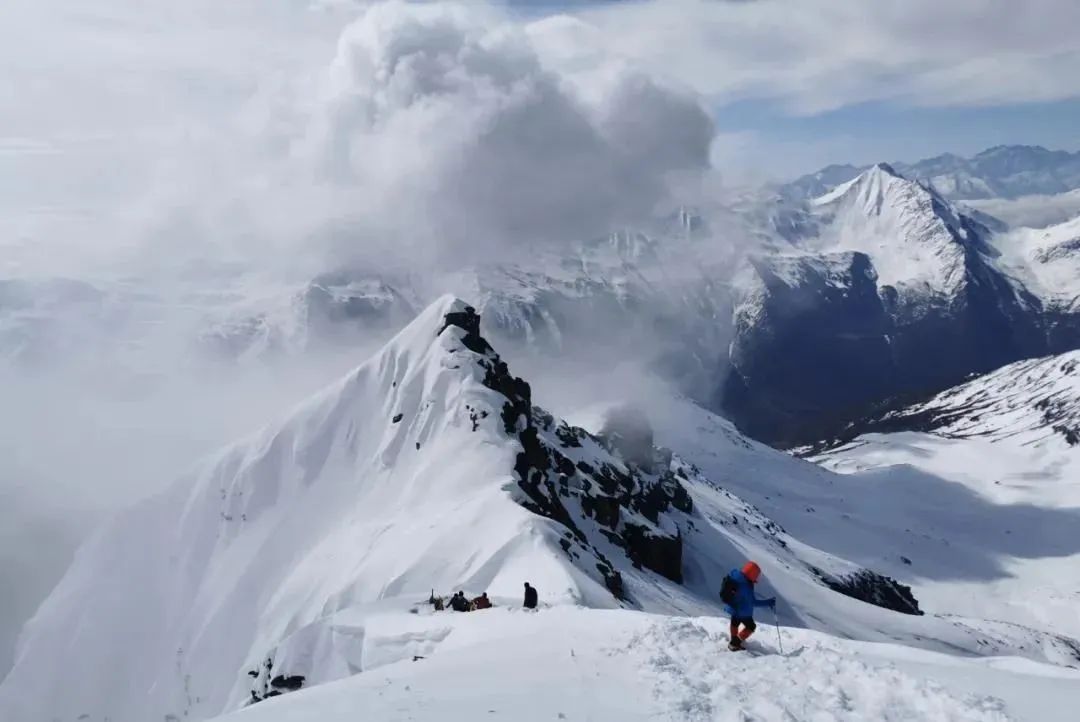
(776, 623)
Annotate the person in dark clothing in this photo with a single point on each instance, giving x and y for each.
(741, 602)
(459, 603)
(531, 598)
(481, 602)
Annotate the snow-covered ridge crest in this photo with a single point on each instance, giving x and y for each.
(412, 473)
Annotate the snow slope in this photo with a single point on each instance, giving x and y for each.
(1032, 404)
(1006, 445)
(579, 664)
(958, 547)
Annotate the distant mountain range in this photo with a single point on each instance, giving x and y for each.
(1005, 171)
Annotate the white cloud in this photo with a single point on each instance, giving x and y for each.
(817, 55)
(431, 131)
(1037, 211)
(446, 118)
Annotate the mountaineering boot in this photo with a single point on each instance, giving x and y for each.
(735, 645)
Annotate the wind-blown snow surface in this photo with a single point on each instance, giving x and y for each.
(427, 467)
(577, 664)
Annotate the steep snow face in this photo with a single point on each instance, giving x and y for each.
(820, 182)
(576, 664)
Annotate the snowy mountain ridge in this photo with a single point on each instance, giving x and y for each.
(426, 468)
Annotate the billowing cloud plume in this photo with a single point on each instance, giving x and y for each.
(448, 133)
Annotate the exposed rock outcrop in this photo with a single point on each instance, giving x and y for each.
(625, 501)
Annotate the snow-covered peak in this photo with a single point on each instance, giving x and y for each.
(871, 190)
(914, 237)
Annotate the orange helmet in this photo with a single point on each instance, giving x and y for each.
(751, 571)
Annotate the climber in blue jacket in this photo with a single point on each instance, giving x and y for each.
(737, 592)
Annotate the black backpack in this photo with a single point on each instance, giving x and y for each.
(728, 590)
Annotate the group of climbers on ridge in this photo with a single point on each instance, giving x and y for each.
(460, 603)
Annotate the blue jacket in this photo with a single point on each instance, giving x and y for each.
(745, 601)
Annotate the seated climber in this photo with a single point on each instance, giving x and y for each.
(437, 602)
(459, 603)
(481, 602)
